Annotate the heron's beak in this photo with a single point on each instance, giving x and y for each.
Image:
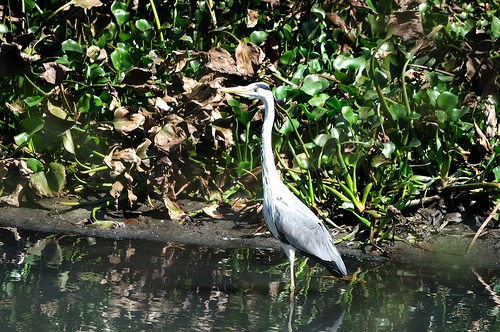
(238, 90)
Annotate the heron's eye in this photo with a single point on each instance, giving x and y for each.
(256, 89)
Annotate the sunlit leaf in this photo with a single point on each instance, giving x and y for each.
(495, 26)
(119, 10)
(388, 149)
(86, 4)
(288, 58)
(258, 37)
(143, 25)
(288, 126)
(35, 165)
(121, 59)
(313, 84)
(71, 46)
(33, 100)
(68, 142)
(321, 139)
(348, 62)
(38, 182)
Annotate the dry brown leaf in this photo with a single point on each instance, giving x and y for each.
(124, 123)
(174, 211)
(406, 24)
(490, 119)
(170, 135)
(211, 211)
(116, 190)
(252, 18)
(220, 60)
(481, 138)
(248, 58)
(54, 73)
(137, 77)
(127, 155)
(13, 199)
(96, 54)
(86, 4)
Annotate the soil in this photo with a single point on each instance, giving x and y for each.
(434, 244)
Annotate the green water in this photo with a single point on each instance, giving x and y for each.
(65, 283)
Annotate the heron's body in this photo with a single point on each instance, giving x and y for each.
(287, 218)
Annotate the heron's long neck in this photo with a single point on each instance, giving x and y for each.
(269, 172)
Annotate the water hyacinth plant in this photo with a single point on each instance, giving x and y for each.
(384, 106)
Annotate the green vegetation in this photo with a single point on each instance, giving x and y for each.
(385, 104)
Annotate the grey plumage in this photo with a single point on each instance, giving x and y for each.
(287, 218)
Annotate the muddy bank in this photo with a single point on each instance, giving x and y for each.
(204, 231)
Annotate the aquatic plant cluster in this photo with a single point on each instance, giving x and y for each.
(385, 105)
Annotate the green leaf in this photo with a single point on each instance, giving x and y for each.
(21, 138)
(350, 115)
(119, 10)
(56, 177)
(143, 25)
(39, 183)
(442, 116)
(388, 149)
(319, 100)
(321, 139)
(347, 62)
(35, 165)
(288, 58)
(397, 111)
(71, 46)
(495, 26)
(33, 100)
(287, 127)
(258, 37)
(3, 28)
(447, 101)
(121, 59)
(313, 84)
(68, 142)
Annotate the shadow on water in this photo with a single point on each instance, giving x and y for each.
(57, 282)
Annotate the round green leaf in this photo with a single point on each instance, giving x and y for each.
(258, 37)
(347, 62)
(119, 10)
(447, 101)
(288, 127)
(313, 84)
(288, 58)
(495, 27)
(143, 25)
(121, 59)
(321, 139)
(71, 46)
(397, 111)
(3, 28)
(35, 165)
(319, 100)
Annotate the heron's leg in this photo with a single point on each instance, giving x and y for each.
(290, 252)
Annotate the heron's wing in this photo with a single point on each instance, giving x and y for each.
(298, 226)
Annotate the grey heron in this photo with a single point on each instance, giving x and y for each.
(287, 218)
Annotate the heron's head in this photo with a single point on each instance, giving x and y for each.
(255, 90)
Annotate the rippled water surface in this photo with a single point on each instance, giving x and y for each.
(66, 283)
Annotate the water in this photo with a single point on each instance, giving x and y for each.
(66, 283)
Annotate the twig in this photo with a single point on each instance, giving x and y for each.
(480, 230)
(494, 295)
